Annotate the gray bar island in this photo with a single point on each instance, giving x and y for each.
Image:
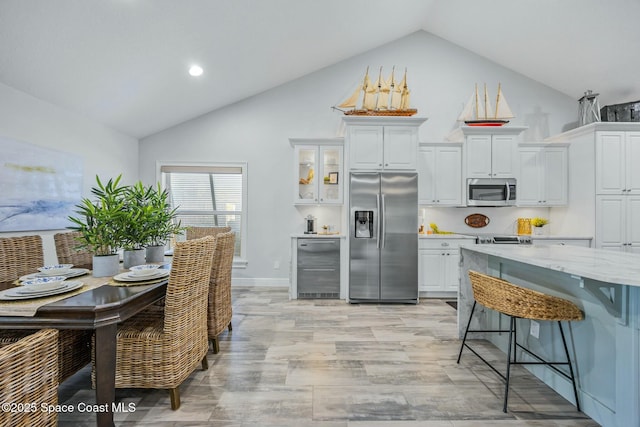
(605, 346)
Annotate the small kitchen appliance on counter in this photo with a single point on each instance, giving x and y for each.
(310, 225)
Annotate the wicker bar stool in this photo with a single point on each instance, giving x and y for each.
(518, 302)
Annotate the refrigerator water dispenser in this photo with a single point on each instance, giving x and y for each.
(363, 224)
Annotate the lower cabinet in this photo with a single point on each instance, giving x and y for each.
(438, 265)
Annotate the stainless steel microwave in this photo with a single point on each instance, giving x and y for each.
(491, 192)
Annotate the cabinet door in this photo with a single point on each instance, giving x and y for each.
(448, 179)
(452, 271)
(529, 185)
(431, 270)
(365, 147)
(306, 185)
(478, 148)
(610, 222)
(633, 224)
(503, 156)
(610, 163)
(554, 176)
(330, 182)
(426, 175)
(400, 147)
(632, 161)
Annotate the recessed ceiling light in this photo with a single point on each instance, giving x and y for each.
(196, 70)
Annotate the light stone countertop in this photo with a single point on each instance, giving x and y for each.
(597, 264)
(317, 236)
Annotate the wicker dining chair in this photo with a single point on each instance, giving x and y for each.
(19, 256)
(67, 252)
(29, 379)
(220, 311)
(199, 232)
(161, 348)
(518, 302)
(23, 255)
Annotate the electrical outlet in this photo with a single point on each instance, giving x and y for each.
(276, 265)
(534, 330)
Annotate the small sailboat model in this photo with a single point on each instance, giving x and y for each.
(479, 112)
(382, 98)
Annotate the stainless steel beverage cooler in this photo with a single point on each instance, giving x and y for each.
(383, 237)
(319, 268)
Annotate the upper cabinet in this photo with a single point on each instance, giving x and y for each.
(617, 160)
(318, 171)
(440, 174)
(492, 152)
(543, 175)
(382, 143)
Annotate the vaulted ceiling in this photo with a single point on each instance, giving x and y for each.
(124, 63)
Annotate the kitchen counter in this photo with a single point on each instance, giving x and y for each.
(597, 264)
(317, 236)
(446, 236)
(605, 285)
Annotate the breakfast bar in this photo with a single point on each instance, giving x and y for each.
(605, 346)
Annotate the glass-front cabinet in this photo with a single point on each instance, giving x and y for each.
(318, 171)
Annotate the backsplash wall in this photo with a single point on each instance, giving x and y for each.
(501, 220)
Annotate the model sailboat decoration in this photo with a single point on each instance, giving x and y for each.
(479, 112)
(382, 98)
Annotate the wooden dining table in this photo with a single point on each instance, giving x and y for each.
(99, 309)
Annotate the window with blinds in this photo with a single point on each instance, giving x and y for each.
(209, 196)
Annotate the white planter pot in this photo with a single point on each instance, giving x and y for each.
(155, 253)
(537, 231)
(106, 265)
(132, 257)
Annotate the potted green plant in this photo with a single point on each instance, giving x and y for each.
(100, 222)
(135, 230)
(161, 223)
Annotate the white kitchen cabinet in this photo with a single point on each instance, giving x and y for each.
(618, 222)
(318, 171)
(543, 175)
(438, 264)
(380, 143)
(440, 174)
(491, 153)
(617, 160)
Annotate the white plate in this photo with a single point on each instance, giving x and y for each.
(74, 272)
(39, 281)
(43, 287)
(13, 294)
(130, 277)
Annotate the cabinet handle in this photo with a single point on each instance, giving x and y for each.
(379, 164)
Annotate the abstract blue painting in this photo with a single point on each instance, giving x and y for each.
(39, 187)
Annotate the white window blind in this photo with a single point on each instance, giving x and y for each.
(209, 196)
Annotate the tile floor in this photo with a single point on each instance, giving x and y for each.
(325, 363)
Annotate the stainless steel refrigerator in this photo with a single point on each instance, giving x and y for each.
(383, 242)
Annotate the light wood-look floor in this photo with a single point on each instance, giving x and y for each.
(325, 363)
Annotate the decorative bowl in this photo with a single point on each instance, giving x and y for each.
(55, 270)
(44, 282)
(144, 270)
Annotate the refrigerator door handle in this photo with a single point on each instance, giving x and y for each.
(378, 222)
(383, 232)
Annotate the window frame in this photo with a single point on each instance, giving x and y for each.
(238, 261)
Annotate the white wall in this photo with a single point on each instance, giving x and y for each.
(257, 131)
(104, 151)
